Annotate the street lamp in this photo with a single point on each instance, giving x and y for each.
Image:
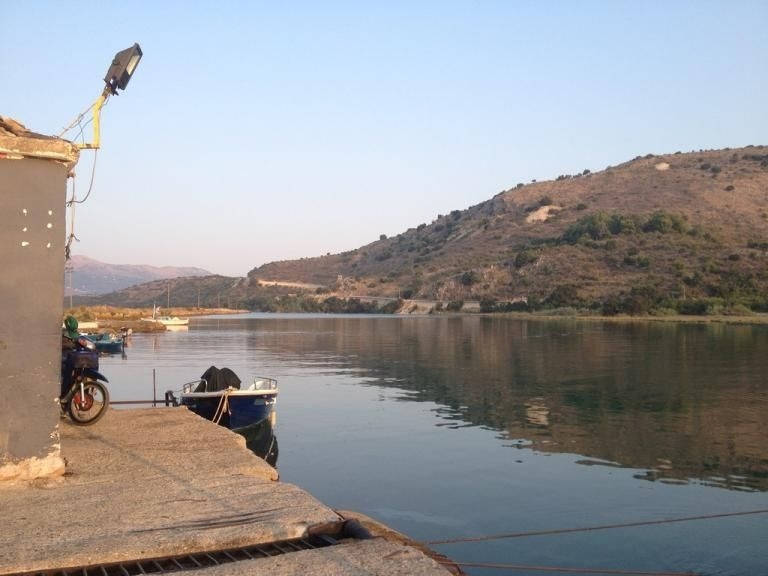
(122, 68)
(118, 75)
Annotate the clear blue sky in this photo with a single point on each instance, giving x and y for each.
(256, 131)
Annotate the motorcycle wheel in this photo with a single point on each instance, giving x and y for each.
(88, 409)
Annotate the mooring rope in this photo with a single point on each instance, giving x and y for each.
(533, 568)
(591, 528)
(223, 406)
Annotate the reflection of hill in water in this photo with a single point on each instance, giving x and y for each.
(682, 401)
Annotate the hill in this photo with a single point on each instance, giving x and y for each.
(211, 291)
(676, 231)
(234, 293)
(90, 276)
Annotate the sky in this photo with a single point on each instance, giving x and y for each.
(261, 131)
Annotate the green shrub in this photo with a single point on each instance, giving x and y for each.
(738, 310)
(469, 278)
(391, 307)
(664, 222)
(697, 306)
(596, 226)
(455, 305)
(623, 224)
(525, 257)
(563, 295)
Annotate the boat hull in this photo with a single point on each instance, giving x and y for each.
(106, 344)
(243, 409)
(113, 347)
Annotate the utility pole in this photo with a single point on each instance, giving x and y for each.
(169, 295)
(70, 283)
(198, 297)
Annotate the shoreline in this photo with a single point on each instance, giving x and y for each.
(758, 319)
(131, 317)
(112, 318)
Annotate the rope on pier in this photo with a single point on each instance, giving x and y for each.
(529, 568)
(591, 528)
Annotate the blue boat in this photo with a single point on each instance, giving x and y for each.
(218, 396)
(107, 343)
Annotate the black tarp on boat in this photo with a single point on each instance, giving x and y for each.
(215, 379)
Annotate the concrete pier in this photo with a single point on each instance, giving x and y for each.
(154, 483)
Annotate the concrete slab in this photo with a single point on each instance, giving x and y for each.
(376, 557)
(149, 483)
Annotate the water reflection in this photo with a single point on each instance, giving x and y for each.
(446, 427)
(680, 401)
(260, 438)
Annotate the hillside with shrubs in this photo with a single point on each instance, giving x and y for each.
(676, 233)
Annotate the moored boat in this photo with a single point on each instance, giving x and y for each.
(107, 343)
(172, 321)
(218, 396)
(166, 320)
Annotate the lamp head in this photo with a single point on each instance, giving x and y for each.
(122, 68)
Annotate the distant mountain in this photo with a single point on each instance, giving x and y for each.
(91, 277)
(681, 231)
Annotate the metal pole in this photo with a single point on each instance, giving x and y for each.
(154, 388)
(70, 284)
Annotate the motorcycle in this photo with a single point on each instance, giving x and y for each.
(83, 396)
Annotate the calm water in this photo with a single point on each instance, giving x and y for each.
(444, 427)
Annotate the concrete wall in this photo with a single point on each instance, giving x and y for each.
(32, 235)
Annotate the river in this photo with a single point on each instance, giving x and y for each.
(460, 426)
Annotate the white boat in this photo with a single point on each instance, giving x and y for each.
(172, 321)
(166, 320)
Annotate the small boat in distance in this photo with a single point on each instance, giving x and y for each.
(219, 397)
(172, 321)
(166, 320)
(107, 343)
